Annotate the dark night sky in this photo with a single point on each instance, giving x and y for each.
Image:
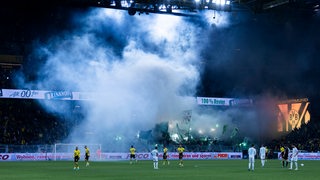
(265, 53)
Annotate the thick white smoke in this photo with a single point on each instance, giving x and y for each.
(143, 69)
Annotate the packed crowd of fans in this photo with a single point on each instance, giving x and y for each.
(23, 122)
(306, 138)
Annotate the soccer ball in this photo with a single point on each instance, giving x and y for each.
(302, 164)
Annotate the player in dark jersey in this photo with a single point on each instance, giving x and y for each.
(285, 161)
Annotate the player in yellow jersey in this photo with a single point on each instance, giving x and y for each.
(132, 154)
(180, 151)
(87, 155)
(282, 154)
(76, 157)
(165, 155)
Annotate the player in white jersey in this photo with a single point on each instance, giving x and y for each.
(154, 154)
(294, 158)
(262, 153)
(252, 153)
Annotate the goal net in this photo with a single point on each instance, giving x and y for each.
(65, 151)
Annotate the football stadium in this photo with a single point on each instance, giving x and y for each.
(176, 89)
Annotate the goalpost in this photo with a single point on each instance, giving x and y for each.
(67, 149)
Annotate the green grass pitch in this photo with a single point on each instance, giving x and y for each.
(143, 170)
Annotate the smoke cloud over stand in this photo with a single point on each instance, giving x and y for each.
(144, 70)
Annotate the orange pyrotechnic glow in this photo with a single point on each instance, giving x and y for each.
(292, 114)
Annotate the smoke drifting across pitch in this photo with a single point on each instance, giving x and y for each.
(143, 69)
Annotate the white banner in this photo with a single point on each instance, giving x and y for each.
(38, 94)
(212, 101)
